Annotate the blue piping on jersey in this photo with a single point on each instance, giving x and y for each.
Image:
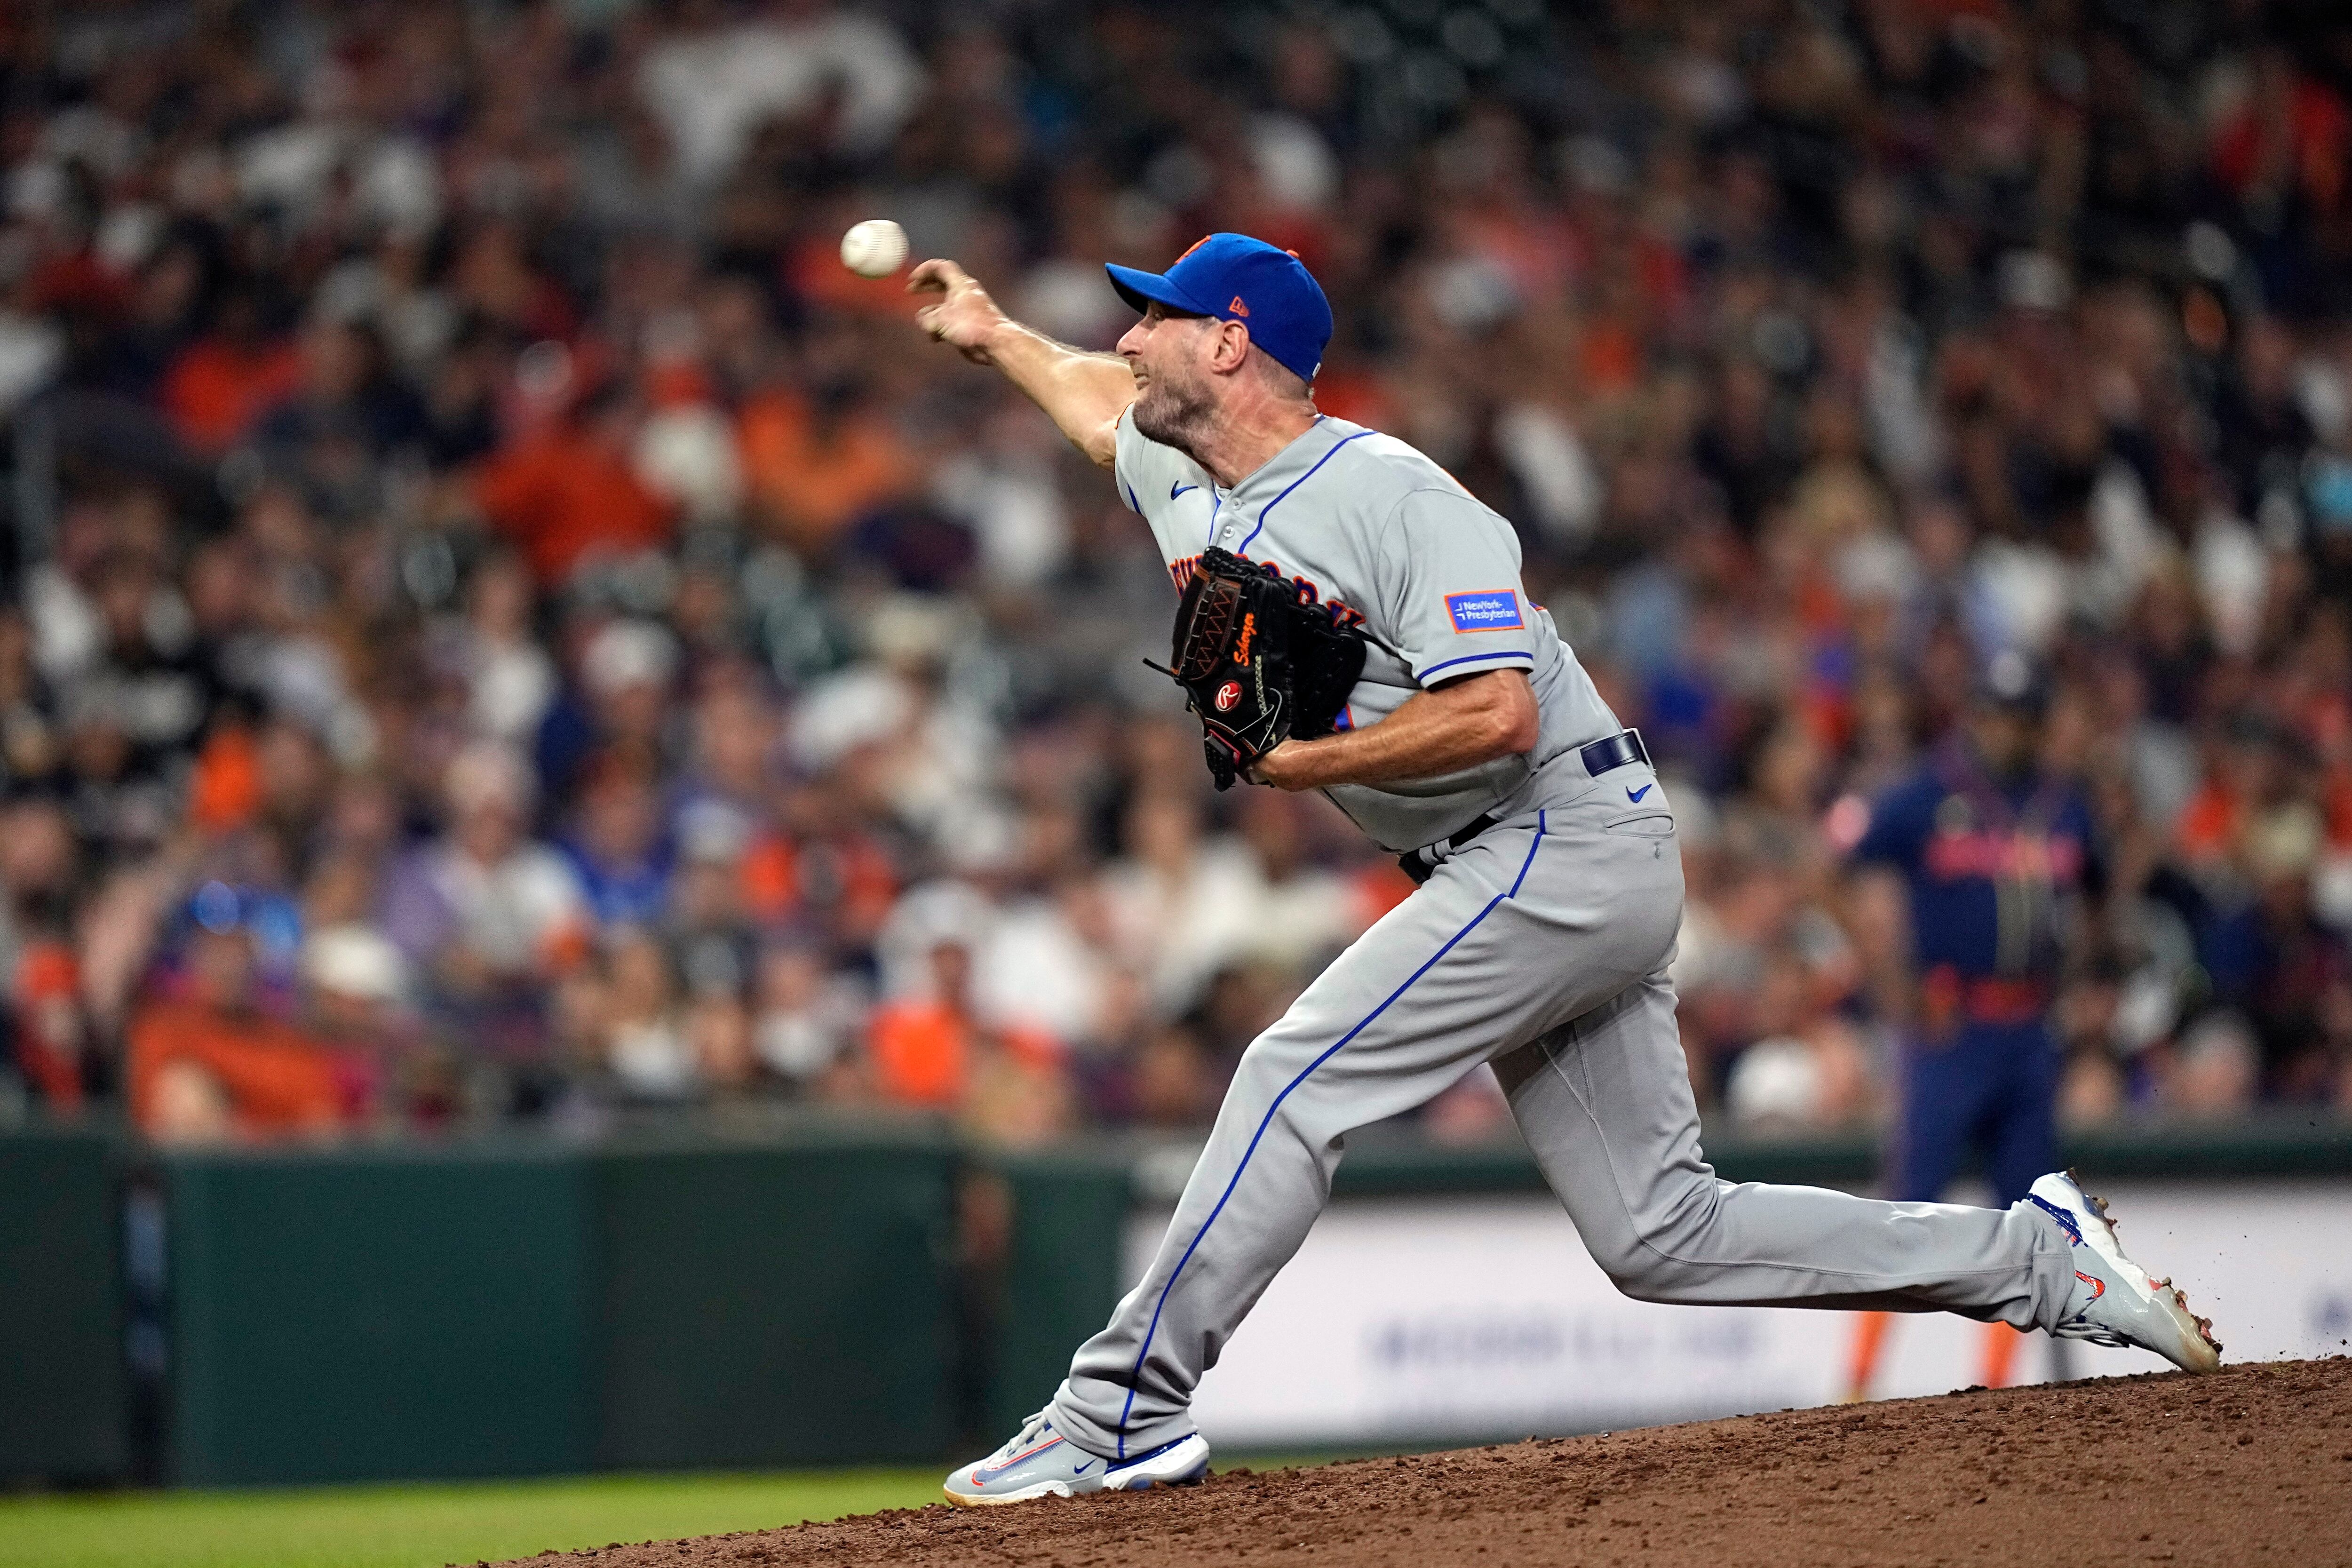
(1135, 1374)
(1216, 505)
(1473, 658)
(1130, 500)
(1244, 551)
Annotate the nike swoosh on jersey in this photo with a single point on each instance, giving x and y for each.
(1635, 795)
(1179, 488)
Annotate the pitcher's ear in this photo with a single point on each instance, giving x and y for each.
(1232, 346)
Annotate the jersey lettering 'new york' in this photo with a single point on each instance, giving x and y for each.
(1364, 525)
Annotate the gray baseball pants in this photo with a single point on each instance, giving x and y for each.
(1542, 946)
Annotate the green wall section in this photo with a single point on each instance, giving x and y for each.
(346, 1315)
(1061, 1274)
(62, 1387)
(774, 1306)
(379, 1314)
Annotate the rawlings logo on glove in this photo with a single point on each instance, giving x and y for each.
(1256, 665)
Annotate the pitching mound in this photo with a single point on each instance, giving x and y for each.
(2253, 1465)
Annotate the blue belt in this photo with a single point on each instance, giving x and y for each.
(1612, 751)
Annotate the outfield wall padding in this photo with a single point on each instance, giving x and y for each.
(1061, 1273)
(770, 1306)
(379, 1314)
(63, 1410)
(515, 1309)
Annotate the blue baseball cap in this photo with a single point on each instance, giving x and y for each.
(1236, 278)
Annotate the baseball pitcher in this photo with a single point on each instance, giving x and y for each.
(1470, 742)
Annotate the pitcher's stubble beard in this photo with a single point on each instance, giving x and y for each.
(1175, 413)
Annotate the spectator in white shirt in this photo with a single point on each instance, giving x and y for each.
(484, 906)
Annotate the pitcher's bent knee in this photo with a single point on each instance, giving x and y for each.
(1269, 1063)
(1274, 1063)
(1661, 1255)
(1632, 1267)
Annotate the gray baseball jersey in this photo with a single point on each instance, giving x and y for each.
(1393, 545)
(1541, 945)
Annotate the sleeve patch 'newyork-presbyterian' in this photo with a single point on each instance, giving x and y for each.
(1490, 610)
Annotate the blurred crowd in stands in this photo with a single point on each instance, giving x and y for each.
(500, 624)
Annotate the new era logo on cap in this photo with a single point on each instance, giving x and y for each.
(1237, 307)
(1491, 610)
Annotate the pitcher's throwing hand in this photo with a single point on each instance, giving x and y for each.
(963, 315)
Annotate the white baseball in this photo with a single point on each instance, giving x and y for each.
(874, 249)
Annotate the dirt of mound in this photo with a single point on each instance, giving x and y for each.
(2251, 1465)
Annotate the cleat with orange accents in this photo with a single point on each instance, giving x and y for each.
(1040, 1462)
(2114, 1303)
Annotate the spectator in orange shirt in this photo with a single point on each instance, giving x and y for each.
(817, 465)
(49, 1027)
(227, 379)
(43, 986)
(1007, 1084)
(214, 1068)
(920, 1047)
(570, 493)
(2247, 771)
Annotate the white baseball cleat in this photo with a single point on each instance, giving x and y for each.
(2114, 1303)
(1041, 1462)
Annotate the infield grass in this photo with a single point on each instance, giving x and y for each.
(424, 1526)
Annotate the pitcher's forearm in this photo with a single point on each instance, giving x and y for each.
(1083, 394)
(1459, 725)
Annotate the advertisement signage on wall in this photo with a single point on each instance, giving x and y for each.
(1424, 1320)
